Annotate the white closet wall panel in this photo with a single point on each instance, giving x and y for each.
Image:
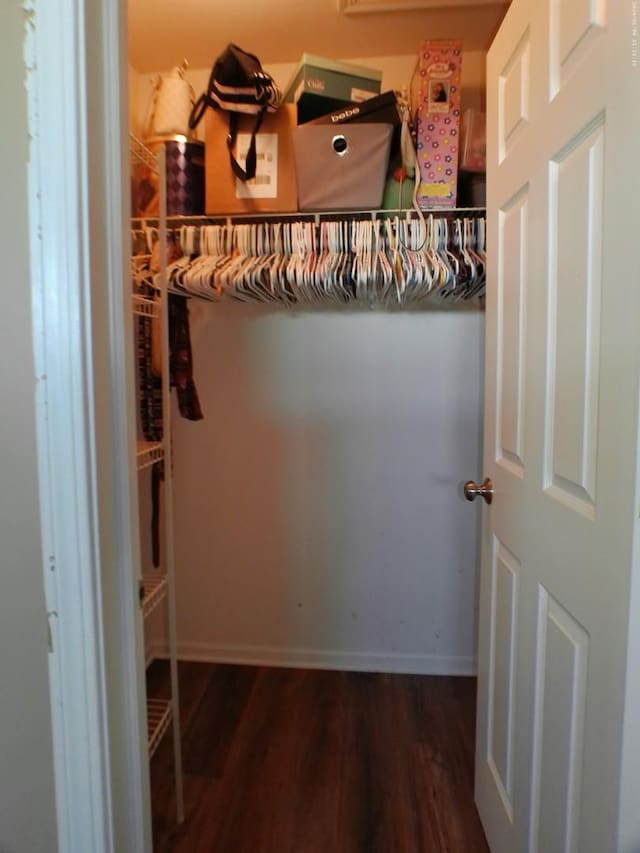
(27, 783)
(397, 73)
(140, 89)
(319, 520)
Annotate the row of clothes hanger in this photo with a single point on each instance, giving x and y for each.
(389, 262)
(142, 277)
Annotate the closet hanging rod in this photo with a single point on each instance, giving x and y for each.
(310, 216)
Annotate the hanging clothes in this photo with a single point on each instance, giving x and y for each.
(149, 384)
(181, 359)
(150, 395)
(388, 262)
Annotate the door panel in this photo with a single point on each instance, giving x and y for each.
(512, 270)
(575, 248)
(502, 671)
(561, 425)
(514, 95)
(573, 25)
(561, 661)
(575, 22)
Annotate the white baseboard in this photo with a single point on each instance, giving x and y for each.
(154, 651)
(312, 659)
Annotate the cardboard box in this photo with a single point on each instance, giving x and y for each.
(274, 187)
(320, 86)
(438, 131)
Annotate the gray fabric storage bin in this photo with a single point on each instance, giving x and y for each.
(341, 168)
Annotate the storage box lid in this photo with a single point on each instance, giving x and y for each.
(336, 65)
(309, 60)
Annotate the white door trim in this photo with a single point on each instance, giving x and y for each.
(76, 85)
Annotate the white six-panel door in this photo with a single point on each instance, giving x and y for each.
(561, 421)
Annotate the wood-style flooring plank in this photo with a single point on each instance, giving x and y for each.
(301, 761)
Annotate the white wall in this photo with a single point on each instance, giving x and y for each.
(27, 804)
(397, 73)
(139, 92)
(318, 513)
(318, 519)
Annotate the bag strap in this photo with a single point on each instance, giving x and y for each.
(204, 101)
(153, 100)
(199, 109)
(249, 171)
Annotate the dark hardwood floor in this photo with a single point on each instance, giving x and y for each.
(300, 761)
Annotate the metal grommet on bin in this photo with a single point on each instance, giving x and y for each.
(340, 145)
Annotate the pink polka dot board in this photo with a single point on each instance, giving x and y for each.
(438, 131)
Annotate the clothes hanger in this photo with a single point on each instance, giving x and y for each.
(388, 262)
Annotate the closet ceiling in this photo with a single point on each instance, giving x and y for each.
(163, 32)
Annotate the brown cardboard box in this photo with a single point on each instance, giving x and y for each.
(274, 187)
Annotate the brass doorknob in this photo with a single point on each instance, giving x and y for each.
(472, 490)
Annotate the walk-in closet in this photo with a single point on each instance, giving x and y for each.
(312, 396)
(318, 519)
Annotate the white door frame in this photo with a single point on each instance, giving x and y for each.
(82, 328)
(76, 81)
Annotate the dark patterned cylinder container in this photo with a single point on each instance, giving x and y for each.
(185, 175)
